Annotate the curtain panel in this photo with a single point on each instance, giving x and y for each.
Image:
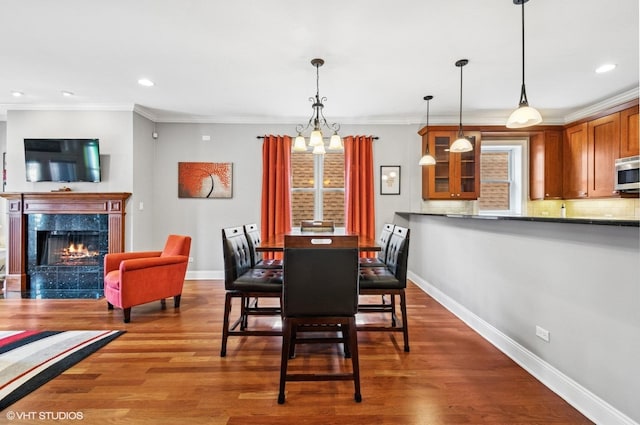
(359, 185)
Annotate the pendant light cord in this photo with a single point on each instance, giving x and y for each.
(460, 133)
(523, 92)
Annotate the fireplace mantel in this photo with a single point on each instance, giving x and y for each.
(20, 205)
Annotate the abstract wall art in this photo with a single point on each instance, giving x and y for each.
(205, 179)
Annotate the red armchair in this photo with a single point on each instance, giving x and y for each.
(134, 278)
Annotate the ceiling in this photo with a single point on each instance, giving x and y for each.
(248, 61)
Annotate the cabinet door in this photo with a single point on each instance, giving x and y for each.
(574, 162)
(629, 145)
(466, 180)
(545, 165)
(604, 148)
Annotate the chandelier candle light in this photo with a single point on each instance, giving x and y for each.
(318, 121)
(461, 144)
(525, 115)
(427, 158)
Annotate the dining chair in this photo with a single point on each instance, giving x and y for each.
(380, 260)
(247, 283)
(257, 260)
(317, 226)
(318, 298)
(389, 280)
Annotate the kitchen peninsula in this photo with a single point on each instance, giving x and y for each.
(515, 279)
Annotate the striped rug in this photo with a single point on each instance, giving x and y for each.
(29, 359)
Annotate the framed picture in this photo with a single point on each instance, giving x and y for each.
(389, 180)
(205, 179)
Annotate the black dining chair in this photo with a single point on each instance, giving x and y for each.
(380, 260)
(257, 260)
(390, 280)
(320, 294)
(247, 283)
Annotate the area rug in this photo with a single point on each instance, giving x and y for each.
(29, 359)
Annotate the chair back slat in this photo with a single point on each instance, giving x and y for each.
(398, 253)
(254, 238)
(320, 275)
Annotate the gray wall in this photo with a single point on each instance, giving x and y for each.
(580, 282)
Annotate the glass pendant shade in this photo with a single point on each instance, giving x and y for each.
(299, 145)
(335, 144)
(461, 144)
(316, 138)
(319, 149)
(524, 116)
(427, 159)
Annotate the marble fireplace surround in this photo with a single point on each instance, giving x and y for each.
(21, 205)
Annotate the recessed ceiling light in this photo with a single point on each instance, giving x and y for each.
(605, 68)
(145, 82)
(67, 93)
(17, 93)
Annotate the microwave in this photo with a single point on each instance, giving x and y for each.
(627, 177)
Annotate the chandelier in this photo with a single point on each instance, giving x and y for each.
(318, 121)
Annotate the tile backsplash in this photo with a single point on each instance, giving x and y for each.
(627, 209)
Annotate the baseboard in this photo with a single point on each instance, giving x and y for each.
(205, 275)
(590, 405)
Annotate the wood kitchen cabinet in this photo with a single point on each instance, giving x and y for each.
(629, 145)
(455, 175)
(589, 153)
(574, 162)
(603, 144)
(545, 165)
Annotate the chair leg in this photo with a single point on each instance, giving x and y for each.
(405, 324)
(393, 310)
(176, 301)
(346, 340)
(163, 304)
(355, 364)
(109, 306)
(225, 324)
(127, 314)
(284, 356)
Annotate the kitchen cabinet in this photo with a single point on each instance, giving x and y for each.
(603, 144)
(455, 175)
(589, 153)
(545, 165)
(574, 162)
(629, 145)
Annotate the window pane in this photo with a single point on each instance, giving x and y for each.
(333, 171)
(301, 207)
(494, 196)
(495, 166)
(333, 208)
(302, 171)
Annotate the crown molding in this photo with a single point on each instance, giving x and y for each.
(602, 105)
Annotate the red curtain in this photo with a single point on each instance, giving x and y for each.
(276, 187)
(359, 187)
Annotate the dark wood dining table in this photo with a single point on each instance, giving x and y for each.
(276, 243)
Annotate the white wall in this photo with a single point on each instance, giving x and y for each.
(580, 282)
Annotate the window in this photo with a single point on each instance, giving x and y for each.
(317, 186)
(501, 178)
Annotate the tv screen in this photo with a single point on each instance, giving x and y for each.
(62, 160)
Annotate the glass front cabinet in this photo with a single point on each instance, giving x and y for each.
(455, 175)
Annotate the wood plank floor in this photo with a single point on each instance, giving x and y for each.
(167, 370)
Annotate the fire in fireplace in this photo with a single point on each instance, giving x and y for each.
(68, 248)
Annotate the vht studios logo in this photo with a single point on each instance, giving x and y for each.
(45, 416)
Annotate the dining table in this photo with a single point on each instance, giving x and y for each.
(276, 243)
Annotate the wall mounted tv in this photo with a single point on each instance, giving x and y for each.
(62, 160)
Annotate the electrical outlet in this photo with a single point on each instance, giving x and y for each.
(191, 259)
(542, 333)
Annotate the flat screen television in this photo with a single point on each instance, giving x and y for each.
(62, 160)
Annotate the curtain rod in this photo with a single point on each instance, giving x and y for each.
(262, 137)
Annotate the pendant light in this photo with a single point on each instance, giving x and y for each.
(525, 115)
(461, 144)
(317, 121)
(427, 158)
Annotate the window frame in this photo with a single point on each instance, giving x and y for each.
(518, 172)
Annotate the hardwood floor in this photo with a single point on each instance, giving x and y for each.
(167, 370)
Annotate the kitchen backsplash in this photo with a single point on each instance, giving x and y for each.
(626, 209)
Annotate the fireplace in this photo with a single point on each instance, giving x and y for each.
(58, 240)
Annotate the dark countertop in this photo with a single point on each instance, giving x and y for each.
(569, 220)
